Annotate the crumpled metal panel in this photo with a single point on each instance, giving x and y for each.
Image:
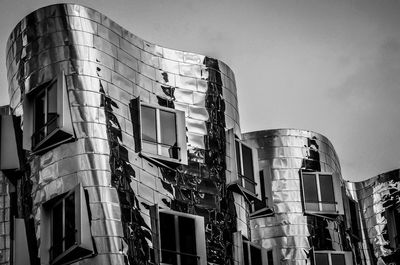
(283, 153)
(106, 67)
(375, 196)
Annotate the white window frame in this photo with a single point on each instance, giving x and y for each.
(241, 176)
(348, 256)
(199, 232)
(180, 128)
(336, 191)
(64, 130)
(83, 239)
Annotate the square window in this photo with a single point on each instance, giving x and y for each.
(162, 133)
(65, 228)
(47, 117)
(256, 255)
(321, 193)
(178, 238)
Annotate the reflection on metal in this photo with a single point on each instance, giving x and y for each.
(378, 196)
(283, 154)
(106, 67)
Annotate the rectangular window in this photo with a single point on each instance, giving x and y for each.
(354, 221)
(393, 226)
(256, 255)
(162, 133)
(47, 117)
(245, 166)
(65, 230)
(332, 258)
(178, 238)
(319, 192)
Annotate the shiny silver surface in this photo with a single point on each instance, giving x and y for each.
(375, 196)
(283, 153)
(105, 67)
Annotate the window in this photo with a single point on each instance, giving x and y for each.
(252, 254)
(65, 228)
(47, 117)
(162, 133)
(354, 220)
(178, 238)
(321, 193)
(393, 226)
(332, 258)
(245, 166)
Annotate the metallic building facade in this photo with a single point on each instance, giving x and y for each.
(134, 140)
(110, 76)
(283, 155)
(379, 201)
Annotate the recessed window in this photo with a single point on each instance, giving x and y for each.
(332, 258)
(252, 254)
(245, 166)
(354, 220)
(47, 117)
(393, 226)
(320, 193)
(179, 237)
(66, 231)
(162, 132)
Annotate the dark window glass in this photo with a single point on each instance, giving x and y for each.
(326, 185)
(338, 259)
(262, 185)
(255, 253)
(57, 230)
(246, 254)
(353, 216)
(149, 124)
(238, 158)
(310, 188)
(70, 221)
(270, 257)
(247, 162)
(51, 108)
(168, 128)
(168, 240)
(321, 259)
(39, 111)
(397, 222)
(187, 240)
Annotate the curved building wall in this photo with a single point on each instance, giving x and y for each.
(379, 199)
(106, 68)
(283, 154)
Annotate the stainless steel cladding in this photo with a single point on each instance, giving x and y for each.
(130, 130)
(379, 200)
(303, 184)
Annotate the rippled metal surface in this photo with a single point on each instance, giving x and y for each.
(106, 67)
(283, 153)
(376, 196)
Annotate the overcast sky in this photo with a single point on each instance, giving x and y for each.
(328, 66)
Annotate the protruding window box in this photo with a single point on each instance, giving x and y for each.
(47, 116)
(65, 229)
(321, 193)
(248, 253)
(178, 238)
(160, 132)
(333, 258)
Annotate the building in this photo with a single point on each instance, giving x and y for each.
(115, 150)
(126, 149)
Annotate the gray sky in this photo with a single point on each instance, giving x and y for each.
(328, 66)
